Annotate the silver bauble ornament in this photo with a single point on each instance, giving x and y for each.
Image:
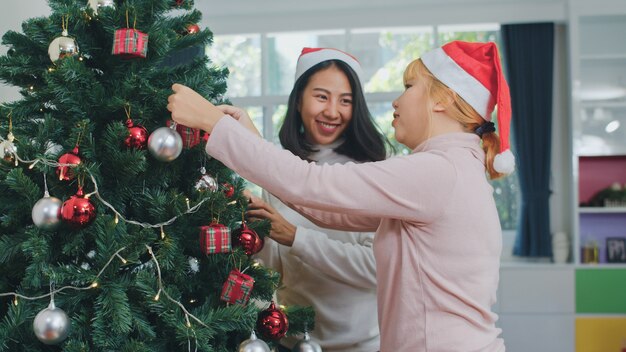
(165, 144)
(253, 345)
(98, 4)
(46, 213)
(51, 325)
(306, 345)
(61, 47)
(7, 151)
(206, 183)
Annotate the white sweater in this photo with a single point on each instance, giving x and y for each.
(332, 271)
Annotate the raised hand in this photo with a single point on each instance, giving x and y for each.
(282, 231)
(191, 109)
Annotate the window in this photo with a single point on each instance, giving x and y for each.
(262, 68)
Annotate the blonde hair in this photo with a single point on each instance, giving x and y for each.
(458, 109)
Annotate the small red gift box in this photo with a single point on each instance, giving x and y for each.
(215, 238)
(191, 136)
(237, 288)
(129, 43)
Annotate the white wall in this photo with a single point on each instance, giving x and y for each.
(245, 16)
(11, 19)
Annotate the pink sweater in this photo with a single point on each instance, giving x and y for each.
(438, 236)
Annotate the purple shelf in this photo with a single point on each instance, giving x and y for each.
(600, 226)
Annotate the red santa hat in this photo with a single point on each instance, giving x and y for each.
(310, 57)
(473, 71)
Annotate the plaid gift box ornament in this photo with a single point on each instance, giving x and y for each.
(191, 136)
(129, 42)
(237, 288)
(215, 238)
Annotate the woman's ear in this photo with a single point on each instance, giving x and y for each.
(442, 104)
(439, 106)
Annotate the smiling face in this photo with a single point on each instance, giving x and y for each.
(326, 106)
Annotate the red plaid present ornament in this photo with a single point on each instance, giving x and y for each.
(237, 288)
(215, 238)
(191, 136)
(129, 43)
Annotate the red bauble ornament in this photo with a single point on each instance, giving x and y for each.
(229, 190)
(78, 211)
(137, 136)
(65, 173)
(193, 28)
(179, 2)
(247, 239)
(272, 323)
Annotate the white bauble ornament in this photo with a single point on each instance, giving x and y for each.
(253, 345)
(51, 325)
(165, 144)
(46, 213)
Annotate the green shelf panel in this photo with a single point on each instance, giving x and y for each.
(600, 290)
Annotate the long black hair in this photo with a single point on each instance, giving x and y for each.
(363, 141)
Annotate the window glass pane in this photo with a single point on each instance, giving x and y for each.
(470, 33)
(242, 55)
(385, 53)
(506, 193)
(256, 114)
(277, 120)
(283, 52)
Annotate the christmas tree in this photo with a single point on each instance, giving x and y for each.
(117, 231)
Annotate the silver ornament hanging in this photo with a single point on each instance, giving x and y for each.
(165, 144)
(306, 345)
(46, 212)
(206, 182)
(8, 150)
(61, 47)
(253, 345)
(51, 325)
(98, 4)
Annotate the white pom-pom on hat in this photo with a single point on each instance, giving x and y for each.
(473, 71)
(504, 162)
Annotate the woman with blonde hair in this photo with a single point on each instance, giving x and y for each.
(438, 237)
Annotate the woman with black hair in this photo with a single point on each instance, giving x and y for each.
(327, 122)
